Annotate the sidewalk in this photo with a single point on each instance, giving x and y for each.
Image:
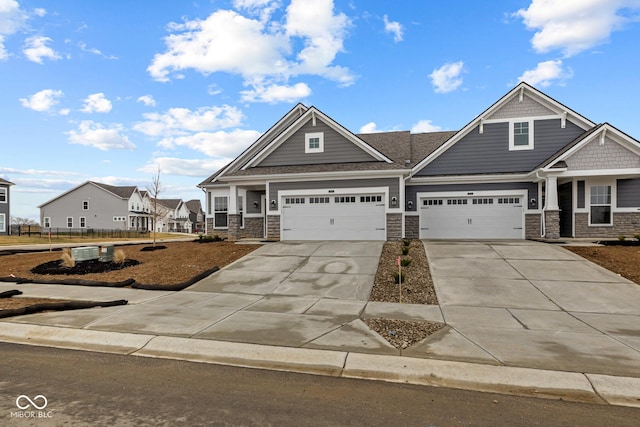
(298, 307)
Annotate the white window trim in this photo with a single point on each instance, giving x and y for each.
(512, 146)
(83, 202)
(307, 138)
(4, 190)
(4, 223)
(215, 211)
(47, 222)
(69, 219)
(613, 201)
(81, 220)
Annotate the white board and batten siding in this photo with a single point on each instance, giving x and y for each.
(476, 216)
(345, 216)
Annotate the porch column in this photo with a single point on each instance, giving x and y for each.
(552, 210)
(552, 193)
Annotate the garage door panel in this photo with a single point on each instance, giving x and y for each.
(490, 217)
(344, 217)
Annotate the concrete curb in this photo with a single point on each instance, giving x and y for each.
(75, 339)
(570, 386)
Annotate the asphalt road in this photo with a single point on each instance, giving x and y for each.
(83, 388)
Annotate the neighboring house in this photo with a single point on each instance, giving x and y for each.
(196, 215)
(93, 205)
(526, 167)
(5, 207)
(173, 216)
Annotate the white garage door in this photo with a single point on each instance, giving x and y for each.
(499, 217)
(343, 217)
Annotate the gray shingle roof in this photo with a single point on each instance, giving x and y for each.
(4, 181)
(170, 203)
(330, 167)
(194, 205)
(123, 192)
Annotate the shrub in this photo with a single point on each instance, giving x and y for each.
(405, 262)
(622, 238)
(216, 238)
(406, 242)
(405, 250)
(637, 237)
(119, 256)
(397, 277)
(67, 259)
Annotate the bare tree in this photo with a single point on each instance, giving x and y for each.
(16, 220)
(154, 189)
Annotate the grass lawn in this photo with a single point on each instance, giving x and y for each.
(14, 240)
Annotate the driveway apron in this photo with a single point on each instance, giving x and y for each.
(537, 305)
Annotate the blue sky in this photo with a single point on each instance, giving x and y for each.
(112, 90)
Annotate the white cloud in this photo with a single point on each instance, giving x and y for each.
(214, 144)
(262, 8)
(96, 103)
(12, 18)
(179, 121)
(546, 72)
(277, 93)
(96, 135)
(14, 171)
(264, 52)
(425, 126)
(573, 26)
(40, 12)
(147, 100)
(393, 27)
(370, 127)
(42, 101)
(447, 78)
(36, 49)
(185, 167)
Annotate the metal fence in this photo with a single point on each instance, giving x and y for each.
(61, 233)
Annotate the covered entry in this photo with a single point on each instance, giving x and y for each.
(333, 217)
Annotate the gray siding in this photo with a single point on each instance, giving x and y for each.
(489, 152)
(103, 206)
(629, 193)
(337, 149)
(254, 196)
(580, 189)
(392, 183)
(531, 187)
(4, 209)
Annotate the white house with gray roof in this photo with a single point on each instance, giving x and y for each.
(526, 167)
(93, 205)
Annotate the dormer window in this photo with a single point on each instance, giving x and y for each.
(521, 135)
(314, 142)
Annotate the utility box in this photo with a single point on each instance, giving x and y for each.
(85, 253)
(106, 253)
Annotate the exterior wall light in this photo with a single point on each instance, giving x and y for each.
(410, 204)
(394, 200)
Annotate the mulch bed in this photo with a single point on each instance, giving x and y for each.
(82, 267)
(624, 260)
(403, 333)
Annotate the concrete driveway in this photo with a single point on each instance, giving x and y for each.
(531, 304)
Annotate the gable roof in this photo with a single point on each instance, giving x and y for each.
(194, 205)
(5, 182)
(600, 131)
(311, 115)
(517, 92)
(170, 203)
(260, 143)
(121, 192)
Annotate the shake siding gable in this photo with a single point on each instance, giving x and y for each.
(488, 152)
(609, 155)
(515, 108)
(337, 149)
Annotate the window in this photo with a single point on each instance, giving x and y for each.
(370, 199)
(600, 205)
(2, 223)
(432, 202)
(47, 222)
(85, 205)
(241, 211)
(509, 200)
(521, 135)
(345, 199)
(83, 222)
(314, 142)
(69, 222)
(319, 200)
(220, 209)
(294, 200)
(119, 219)
(3, 195)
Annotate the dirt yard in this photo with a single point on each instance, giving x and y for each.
(624, 260)
(179, 262)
